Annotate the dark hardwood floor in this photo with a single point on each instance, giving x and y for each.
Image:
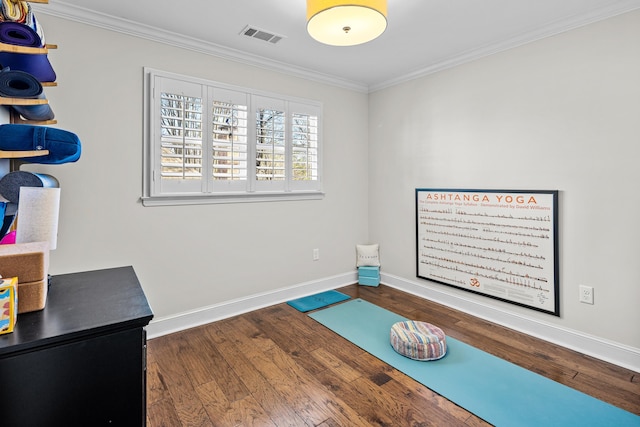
(278, 367)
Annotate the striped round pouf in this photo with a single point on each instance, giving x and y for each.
(418, 340)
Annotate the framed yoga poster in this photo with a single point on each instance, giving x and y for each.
(497, 243)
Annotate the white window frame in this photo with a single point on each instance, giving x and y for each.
(159, 192)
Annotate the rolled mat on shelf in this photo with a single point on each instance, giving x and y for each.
(36, 64)
(19, 34)
(19, 84)
(11, 183)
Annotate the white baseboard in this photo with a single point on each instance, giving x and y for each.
(618, 354)
(201, 316)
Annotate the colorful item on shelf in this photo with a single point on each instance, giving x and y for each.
(9, 238)
(19, 84)
(7, 221)
(15, 10)
(8, 304)
(63, 146)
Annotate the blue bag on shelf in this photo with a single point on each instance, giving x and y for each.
(63, 146)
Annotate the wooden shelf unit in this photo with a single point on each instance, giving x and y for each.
(22, 154)
(12, 48)
(15, 117)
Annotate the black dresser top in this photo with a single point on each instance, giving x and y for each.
(79, 305)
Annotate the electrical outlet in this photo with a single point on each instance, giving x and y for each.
(586, 294)
(316, 254)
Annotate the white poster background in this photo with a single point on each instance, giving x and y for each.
(496, 243)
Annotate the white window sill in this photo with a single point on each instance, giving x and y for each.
(205, 199)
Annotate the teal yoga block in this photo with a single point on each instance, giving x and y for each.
(373, 272)
(369, 276)
(369, 281)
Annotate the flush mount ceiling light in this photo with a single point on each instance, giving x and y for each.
(346, 23)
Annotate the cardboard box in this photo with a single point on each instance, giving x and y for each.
(29, 262)
(8, 304)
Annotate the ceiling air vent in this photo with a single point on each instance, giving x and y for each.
(258, 33)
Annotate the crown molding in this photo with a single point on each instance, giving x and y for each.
(552, 29)
(60, 9)
(63, 10)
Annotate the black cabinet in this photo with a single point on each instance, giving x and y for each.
(82, 360)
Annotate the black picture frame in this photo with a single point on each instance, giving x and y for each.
(502, 244)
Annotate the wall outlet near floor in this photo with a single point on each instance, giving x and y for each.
(586, 294)
(316, 254)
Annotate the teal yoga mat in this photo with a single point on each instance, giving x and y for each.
(494, 389)
(313, 302)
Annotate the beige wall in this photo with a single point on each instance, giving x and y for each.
(189, 257)
(561, 113)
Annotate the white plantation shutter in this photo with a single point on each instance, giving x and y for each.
(179, 129)
(305, 154)
(208, 142)
(270, 144)
(229, 139)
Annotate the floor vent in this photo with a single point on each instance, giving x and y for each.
(258, 33)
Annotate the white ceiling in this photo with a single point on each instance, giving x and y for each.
(422, 36)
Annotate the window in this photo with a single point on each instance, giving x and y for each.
(207, 142)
